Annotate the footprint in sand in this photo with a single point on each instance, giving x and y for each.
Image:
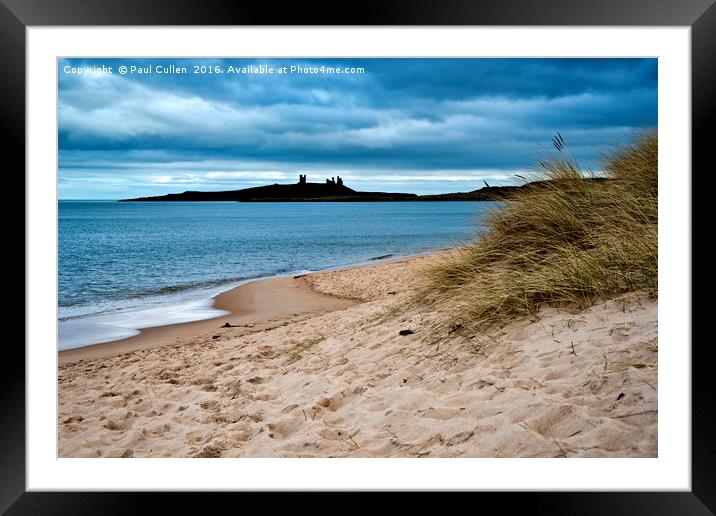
(118, 403)
(558, 373)
(335, 402)
(209, 452)
(197, 437)
(554, 422)
(459, 437)
(439, 413)
(156, 431)
(119, 453)
(330, 434)
(284, 428)
(209, 405)
(264, 396)
(117, 424)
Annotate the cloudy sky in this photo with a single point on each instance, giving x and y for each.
(400, 125)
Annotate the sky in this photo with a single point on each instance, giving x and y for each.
(396, 125)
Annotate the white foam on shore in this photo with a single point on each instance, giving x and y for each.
(118, 324)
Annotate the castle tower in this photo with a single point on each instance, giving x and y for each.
(339, 181)
(302, 179)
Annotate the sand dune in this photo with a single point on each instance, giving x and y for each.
(340, 381)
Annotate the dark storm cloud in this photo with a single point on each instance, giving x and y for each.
(402, 120)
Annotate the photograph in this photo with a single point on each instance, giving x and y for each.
(388, 257)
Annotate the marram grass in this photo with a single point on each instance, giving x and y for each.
(570, 240)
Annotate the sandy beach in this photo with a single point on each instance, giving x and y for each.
(340, 364)
(255, 306)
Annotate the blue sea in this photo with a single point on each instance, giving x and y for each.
(127, 266)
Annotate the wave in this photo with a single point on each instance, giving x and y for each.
(160, 291)
(123, 301)
(196, 285)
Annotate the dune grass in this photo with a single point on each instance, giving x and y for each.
(571, 240)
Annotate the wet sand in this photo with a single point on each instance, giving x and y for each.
(255, 305)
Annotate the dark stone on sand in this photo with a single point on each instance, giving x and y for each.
(406, 332)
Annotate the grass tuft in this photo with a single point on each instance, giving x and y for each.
(297, 352)
(570, 239)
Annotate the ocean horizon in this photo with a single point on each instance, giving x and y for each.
(127, 266)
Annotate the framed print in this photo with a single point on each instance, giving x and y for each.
(435, 249)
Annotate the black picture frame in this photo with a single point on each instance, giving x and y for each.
(700, 15)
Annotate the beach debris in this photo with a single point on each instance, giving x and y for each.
(621, 395)
(299, 276)
(455, 327)
(392, 293)
(216, 337)
(229, 325)
(405, 332)
(352, 444)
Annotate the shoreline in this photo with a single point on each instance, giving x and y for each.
(237, 302)
(252, 306)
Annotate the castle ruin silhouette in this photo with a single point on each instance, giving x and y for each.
(332, 181)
